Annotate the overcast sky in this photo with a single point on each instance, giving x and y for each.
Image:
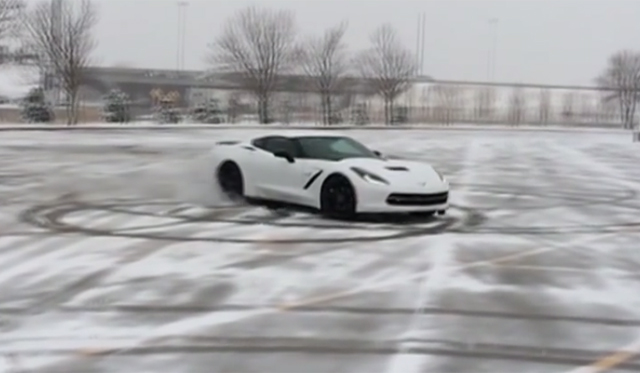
(542, 41)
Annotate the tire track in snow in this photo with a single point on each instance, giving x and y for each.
(441, 265)
(441, 261)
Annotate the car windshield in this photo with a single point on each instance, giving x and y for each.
(332, 148)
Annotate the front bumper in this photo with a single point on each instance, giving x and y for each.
(382, 199)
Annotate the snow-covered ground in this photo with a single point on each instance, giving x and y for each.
(112, 262)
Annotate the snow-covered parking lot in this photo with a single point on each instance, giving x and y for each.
(110, 262)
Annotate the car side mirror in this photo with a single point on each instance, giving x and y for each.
(377, 153)
(285, 155)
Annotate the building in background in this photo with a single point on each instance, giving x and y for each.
(426, 101)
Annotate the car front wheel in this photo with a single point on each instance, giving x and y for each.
(338, 198)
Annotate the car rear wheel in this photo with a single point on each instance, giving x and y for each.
(231, 181)
(338, 198)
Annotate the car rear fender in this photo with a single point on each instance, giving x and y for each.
(239, 153)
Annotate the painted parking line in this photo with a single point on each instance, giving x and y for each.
(611, 361)
(481, 263)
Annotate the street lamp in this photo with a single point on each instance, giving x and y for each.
(182, 28)
(493, 49)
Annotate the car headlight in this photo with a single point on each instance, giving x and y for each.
(369, 177)
(440, 175)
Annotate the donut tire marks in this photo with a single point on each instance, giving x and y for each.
(568, 199)
(476, 217)
(52, 217)
(198, 344)
(360, 311)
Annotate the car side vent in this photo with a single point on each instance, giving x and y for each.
(397, 168)
(228, 142)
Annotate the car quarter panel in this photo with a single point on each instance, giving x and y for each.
(244, 155)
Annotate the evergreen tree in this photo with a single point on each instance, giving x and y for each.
(208, 112)
(166, 112)
(35, 108)
(360, 115)
(117, 107)
(335, 118)
(400, 115)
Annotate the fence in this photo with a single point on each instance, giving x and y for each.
(447, 103)
(436, 103)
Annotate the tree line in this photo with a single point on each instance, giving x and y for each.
(621, 78)
(59, 35)
(260, 46)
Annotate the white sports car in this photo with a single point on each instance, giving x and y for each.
(332, 173)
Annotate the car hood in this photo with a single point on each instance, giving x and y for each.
(396, 170)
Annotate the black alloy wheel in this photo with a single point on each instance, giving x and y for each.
(338, 198)
(230, 181)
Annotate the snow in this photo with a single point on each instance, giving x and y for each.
(132, 292)
(441, 265)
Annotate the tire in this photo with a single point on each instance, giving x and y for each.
(338, 198)
(231, 181)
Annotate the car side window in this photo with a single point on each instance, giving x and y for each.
(275, 144)
(260, 143)
(281, 144)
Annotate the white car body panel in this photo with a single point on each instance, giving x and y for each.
(269, 177)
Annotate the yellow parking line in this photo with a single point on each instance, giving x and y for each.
(495, 261)
(358, 290)
(548, 268)
(613, 360)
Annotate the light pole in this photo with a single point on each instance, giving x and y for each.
(182, 28)
(493, 50)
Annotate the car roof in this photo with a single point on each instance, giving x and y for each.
(294, 134)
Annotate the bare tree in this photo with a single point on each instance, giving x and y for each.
(258, 44)
(491, 97)
(568, 106)
(608, 111)
(324, 61)
(9, 14)
(388, 66)
(464, 113)
(430, 103)
(447, 103)
(484, 103)
(544, 106)
(586, 107)
(623, 76)
(517, 106)
(233, 106)
(62, 37)
(424, 103)
(479, 105)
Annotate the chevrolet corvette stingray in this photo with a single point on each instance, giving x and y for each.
(334, 174)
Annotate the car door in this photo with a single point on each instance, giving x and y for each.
(277, 177)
